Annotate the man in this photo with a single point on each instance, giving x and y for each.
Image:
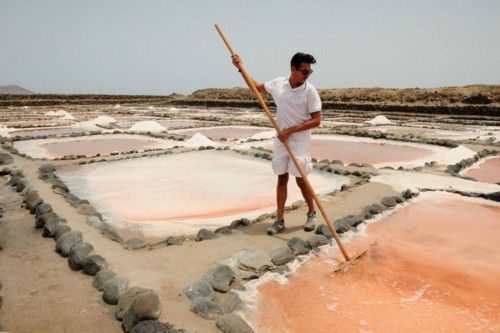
(298, 110)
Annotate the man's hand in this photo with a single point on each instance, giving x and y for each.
(236, 61)
(284, 134)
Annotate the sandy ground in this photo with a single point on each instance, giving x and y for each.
(168, 269)
(40, 292)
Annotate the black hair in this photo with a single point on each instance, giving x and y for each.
(299, 58)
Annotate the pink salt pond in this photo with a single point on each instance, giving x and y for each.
(181, 193)
(36, 132)
(432, 266)
(227, 132)
(487, 171)
(89, 145)
(361, 150)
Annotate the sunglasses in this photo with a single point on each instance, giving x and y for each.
(306, 72)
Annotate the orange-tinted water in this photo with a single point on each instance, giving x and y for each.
(365, 152)
(95, 146)
(433, 266)
(487, 172)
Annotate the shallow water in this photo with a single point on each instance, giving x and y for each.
(350, 151)
(47, 131)
(487, 171)
(193, 187)
(89, 146)
(433, 266)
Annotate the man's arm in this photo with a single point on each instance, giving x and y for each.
(315, 121)
(237, 62)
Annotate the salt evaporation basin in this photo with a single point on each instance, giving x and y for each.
(432, 266)
(181, 193)
(47, 131)
(487, 170)
(89, 145)
(363, 150)
(228, 132)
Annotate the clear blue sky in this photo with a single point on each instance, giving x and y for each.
(158, 47)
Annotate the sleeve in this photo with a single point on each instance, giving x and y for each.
(313, 101)
(270, 86)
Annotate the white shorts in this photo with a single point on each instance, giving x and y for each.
(282, 163)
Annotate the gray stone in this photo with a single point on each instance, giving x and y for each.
(44, 218)
(241, 222)
(174, 240)
(42, 209)
(342, 225)
(77, 255)
(389, 202)
(134, 244)
(101, 277)
(49, 229)
(205, 234)
(93, 264)
(282, 255)
(152, 326)
(21, 185)
(86, 209)
(113, 288)
(317, 240)
(94, 221)
(495, 196)
(324, 230)
(32, 199)
(108, 232)
(253, 260)
(232, 323)
(353, 220)
(5, 158)
(298, 246)
(407, 194)
(220, 278)
(376, 208)
(206, 308)
(67, 241)
(146, 305)
(46, 168)
(126, 299)
(61, 229)
(199, 289)
(231, 303)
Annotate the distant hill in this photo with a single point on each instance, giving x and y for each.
(14, 90)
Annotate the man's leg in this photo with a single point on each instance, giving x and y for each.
(308, 196)
(281, 192)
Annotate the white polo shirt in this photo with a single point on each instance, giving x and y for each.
(294, 105)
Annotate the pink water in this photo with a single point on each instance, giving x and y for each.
(487, 172)
(218, 133)
(47, 131)
(433, 266)
(92, 147)
(363, 152)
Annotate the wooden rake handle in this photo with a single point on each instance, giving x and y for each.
(252, 87)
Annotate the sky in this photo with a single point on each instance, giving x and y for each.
(159, 47)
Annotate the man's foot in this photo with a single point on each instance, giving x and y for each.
(311, 222)
(277, 226)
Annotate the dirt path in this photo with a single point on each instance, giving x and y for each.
(40, 292)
